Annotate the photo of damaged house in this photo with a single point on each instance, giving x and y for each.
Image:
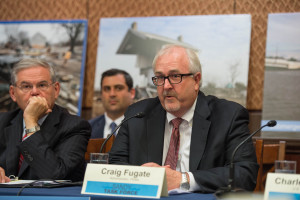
(62, 43)
(221, 41)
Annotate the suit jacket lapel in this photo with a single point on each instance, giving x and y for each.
(156, 128)
(199, 132)
(155, 135)
(48, 125)
(23, 168)
(13, 133)
(101, 127)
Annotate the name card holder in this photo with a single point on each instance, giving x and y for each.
(282, 186)
(125, 181)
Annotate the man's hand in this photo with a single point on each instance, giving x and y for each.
(3, 178)
(36, 108)
(173, 176)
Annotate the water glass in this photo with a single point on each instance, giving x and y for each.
(100, 158)
(285, 166)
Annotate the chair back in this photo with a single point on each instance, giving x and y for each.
(94, 146)
(266, 155)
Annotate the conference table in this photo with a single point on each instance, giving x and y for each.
(75, 191)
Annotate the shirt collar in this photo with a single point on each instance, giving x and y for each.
(188, 116)
(109, 120)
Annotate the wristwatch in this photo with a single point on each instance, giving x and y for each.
(32, 130)
(184, 185)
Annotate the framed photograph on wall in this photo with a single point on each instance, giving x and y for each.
(281, 99)
(221, 41)
(60, 42)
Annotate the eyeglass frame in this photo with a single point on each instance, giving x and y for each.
(168, 77)
(31, 86)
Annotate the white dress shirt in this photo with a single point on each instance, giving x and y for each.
(185, 130)
(107, 130)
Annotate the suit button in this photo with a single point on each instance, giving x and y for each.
(30, 158)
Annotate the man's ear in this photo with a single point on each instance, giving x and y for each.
(197, 78)
(12, 93)
(132, 92)
(57, 89)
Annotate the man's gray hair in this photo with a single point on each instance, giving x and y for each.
(194, 62)
(28, 63)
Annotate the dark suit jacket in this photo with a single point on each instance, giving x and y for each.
(55, 152)
(97, 124)
(218, 127)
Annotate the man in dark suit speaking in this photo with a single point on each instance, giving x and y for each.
(40, 140)
(190, 134)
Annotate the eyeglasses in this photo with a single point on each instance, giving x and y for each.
(173, 79)
(27, 87)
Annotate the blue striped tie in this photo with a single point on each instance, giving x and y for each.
(113, 126)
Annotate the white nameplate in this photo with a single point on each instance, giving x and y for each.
(124, 180)
(282, 186)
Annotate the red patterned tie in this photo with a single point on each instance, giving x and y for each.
(21, 156)
(172, 155)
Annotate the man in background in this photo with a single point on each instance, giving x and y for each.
(189, 134)
(117, 93)
(40, 140)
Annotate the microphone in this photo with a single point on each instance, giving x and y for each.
(231, 185)
(138, 115)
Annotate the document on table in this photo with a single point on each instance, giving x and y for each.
(18, 182)
(177, 191)
(37, 183)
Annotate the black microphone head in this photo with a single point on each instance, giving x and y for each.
(140, 115)
(271, 123)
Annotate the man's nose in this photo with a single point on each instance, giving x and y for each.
(34, 91)
(112, 92)
(167, 84)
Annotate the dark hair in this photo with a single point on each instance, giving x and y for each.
(113, 72)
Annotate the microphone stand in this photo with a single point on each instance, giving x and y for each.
(231, 184)
(138, 115)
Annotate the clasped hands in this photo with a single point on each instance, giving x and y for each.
(173, 176)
